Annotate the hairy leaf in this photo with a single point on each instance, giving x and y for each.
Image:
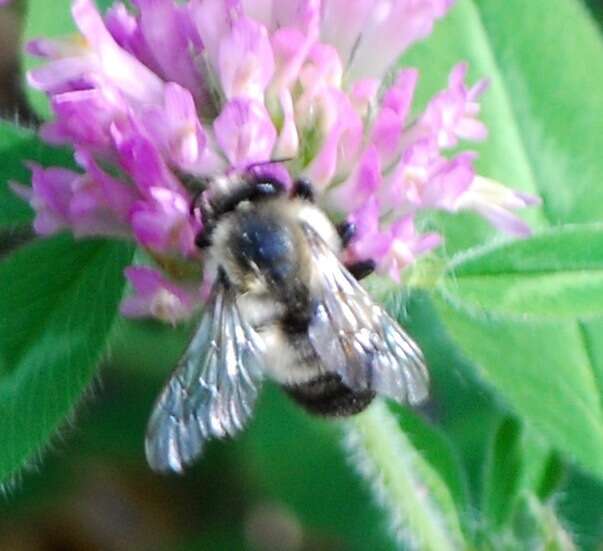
(544, 371)
(53, 327)
(545, 118)
(557, 274)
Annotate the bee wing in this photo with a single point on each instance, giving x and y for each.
(212, 391)
(356, 338)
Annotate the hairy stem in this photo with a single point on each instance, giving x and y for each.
(421, 510)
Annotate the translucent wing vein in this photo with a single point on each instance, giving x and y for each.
(356, 338)
(212, 390)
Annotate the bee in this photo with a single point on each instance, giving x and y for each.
(283, 306)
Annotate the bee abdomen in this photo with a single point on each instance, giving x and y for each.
(328, 395)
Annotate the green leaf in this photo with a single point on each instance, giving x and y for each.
(503, 472)
(557, 274)
(53, 326)
(543, 370)
(17, 145)
(551, 71)
(581, 506)
(552, 475)
(597, 10)
(554, 275)
(545, 118)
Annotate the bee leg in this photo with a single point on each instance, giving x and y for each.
(203, 238)
(193, 208)
(362, 268)
(202, 212)
(303, 189)
(196, 207)
(346, 231)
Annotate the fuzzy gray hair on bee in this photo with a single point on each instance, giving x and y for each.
(283, 306)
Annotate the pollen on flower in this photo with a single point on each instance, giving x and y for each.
(154, 98)
(166, 306)
(154, 295)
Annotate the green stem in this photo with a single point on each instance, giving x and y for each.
(554, 537)
(400, 480)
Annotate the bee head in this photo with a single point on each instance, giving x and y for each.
(260, 248)
(264, 247)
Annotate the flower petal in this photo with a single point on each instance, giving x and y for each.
(366, 181)
(245, 132)
(155, 296)
(140, 158)
(245, 60)
(288, 139)
(83, 117)
(116, 65)
(342, 140)
(452, 114)
(494, 202)
(388, 27)
(168, 35)
(163, 224)
(389, 123)
(51, 196)
(212, 19)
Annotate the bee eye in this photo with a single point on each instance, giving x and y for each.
(267, 245)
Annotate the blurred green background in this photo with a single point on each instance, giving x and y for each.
(286, 483)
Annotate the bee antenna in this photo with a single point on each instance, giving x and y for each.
(195, 205)
(269, 162)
